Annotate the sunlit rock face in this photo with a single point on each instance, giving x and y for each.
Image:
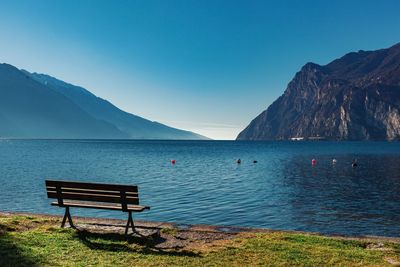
(355, 97)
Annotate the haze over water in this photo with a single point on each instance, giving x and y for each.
(206, 186)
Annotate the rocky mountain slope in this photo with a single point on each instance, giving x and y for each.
(355, 97)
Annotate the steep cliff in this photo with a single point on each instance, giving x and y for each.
(356, 97)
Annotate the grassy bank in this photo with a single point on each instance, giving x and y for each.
(39, 241)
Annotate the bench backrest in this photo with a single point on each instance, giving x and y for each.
(107, 193)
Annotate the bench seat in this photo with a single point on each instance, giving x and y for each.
(71, 194)
(105, 206)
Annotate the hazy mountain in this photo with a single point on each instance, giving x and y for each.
(356, 97)
(39, 106)
(28, 109)
(133, 126)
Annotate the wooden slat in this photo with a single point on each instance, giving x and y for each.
(97, 186)
(116, 196)
(92, 197)
(135, 208)
(93, 192)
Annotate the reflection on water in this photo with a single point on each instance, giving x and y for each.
(341, 199)
(281, 191)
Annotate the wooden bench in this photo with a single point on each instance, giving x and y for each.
(96, 196)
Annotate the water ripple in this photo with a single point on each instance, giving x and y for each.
(282, 191)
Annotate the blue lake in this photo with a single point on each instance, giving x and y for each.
(206, 186)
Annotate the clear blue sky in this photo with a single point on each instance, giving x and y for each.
(205, 66)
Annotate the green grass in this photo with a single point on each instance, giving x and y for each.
(37, 241)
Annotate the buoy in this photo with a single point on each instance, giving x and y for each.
(173, 161)
(313, 161)
(354, 163)
(238, 161)
(334, 161)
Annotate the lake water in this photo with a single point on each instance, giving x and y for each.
(206, 186)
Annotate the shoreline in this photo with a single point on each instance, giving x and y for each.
(142, 224)
(28, 239)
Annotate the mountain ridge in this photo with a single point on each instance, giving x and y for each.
(136, 127)
(30, 110)
(99, 117)
(354, 97)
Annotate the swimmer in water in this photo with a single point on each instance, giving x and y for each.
(238, 161)
(334, 161)
(354, 163)
(255, 161)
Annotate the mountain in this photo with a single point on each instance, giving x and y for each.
(134, 126)
(28, 109)
(40, 106)
(355, 97)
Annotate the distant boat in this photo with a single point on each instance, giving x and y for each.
(311, 138)
(297, 138)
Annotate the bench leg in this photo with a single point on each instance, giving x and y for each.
(130, 223)
(67, 215)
